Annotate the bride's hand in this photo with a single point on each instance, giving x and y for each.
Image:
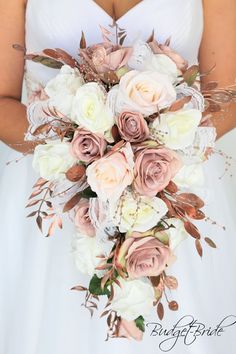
(218, 48)
(13, 121)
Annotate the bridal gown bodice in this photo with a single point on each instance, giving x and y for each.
(39, 313)
(59, 23)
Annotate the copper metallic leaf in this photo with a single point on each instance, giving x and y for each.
(83, 44)
(177, 105)
(51, 53)
(190, 74)
(39, 222)
(171, 282)
(52, 228)
(115, 133)
(155, 281)
(210, 242)
(190, 198)
(46, 61)
(198, 247)
(72, 203)
(59, 222)
(105, 313)
(173, 306)
(122, 39)
(171, 188)
(192, 230)
(160, 311)
(75, 173)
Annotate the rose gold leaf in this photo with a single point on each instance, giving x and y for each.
(198, 215)
(52, 228)
(177, 105)
(104, 280)
(122, 39)
(115, 133)
(35, 193)
(167, 42)
(199, 247)
(192, 230)
(40, 182)
(210, 242)
(190, 75)
(33, 202)
(79, 288)
(151, 37)
(49, 204)
(72, 203)
(171, 282)
(39, 222)
(42, 129)
(83, 44)
(160, 311)
(173, 306)
(105, 313)
(59, 222)
(32, 214)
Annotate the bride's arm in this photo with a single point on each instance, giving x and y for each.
(219, 47)
(13, 122)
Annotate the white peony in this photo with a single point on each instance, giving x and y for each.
(86, 251)
(90, 109)
(176, 129)
(134, 298)
(53, 159)
(190, 176)
(139, 213)
(176, 234)
(62, 89)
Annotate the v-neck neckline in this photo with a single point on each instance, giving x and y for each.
(122, 16)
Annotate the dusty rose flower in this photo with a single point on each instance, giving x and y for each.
(106, 56)
(128, 329)
(132, 126)
(87, 146)
(154, 168)
(82, 218)
(110, 175)
(180, 62)
(145, 256)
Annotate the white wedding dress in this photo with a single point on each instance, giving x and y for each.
(39, 314)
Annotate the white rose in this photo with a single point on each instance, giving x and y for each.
(143, 59)
(164, 65)
(190, 176)
(53, 159)
(90, 109)
(176, 129)
(86, 250)
(134, 298)
(143, 92)
(177, 234)
(63, 87)
(137, 214)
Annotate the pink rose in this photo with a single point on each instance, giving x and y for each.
(180, 62)
(82, 218)
(110, 175)
(106, 56)
(87, 146)
(128, 329)
(144, 257)
(154, 168)
(132, 126)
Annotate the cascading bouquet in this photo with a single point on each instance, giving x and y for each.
(122, 136)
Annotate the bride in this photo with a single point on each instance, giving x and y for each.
(38, 312)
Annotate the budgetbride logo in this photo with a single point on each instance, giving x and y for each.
(188, 329)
